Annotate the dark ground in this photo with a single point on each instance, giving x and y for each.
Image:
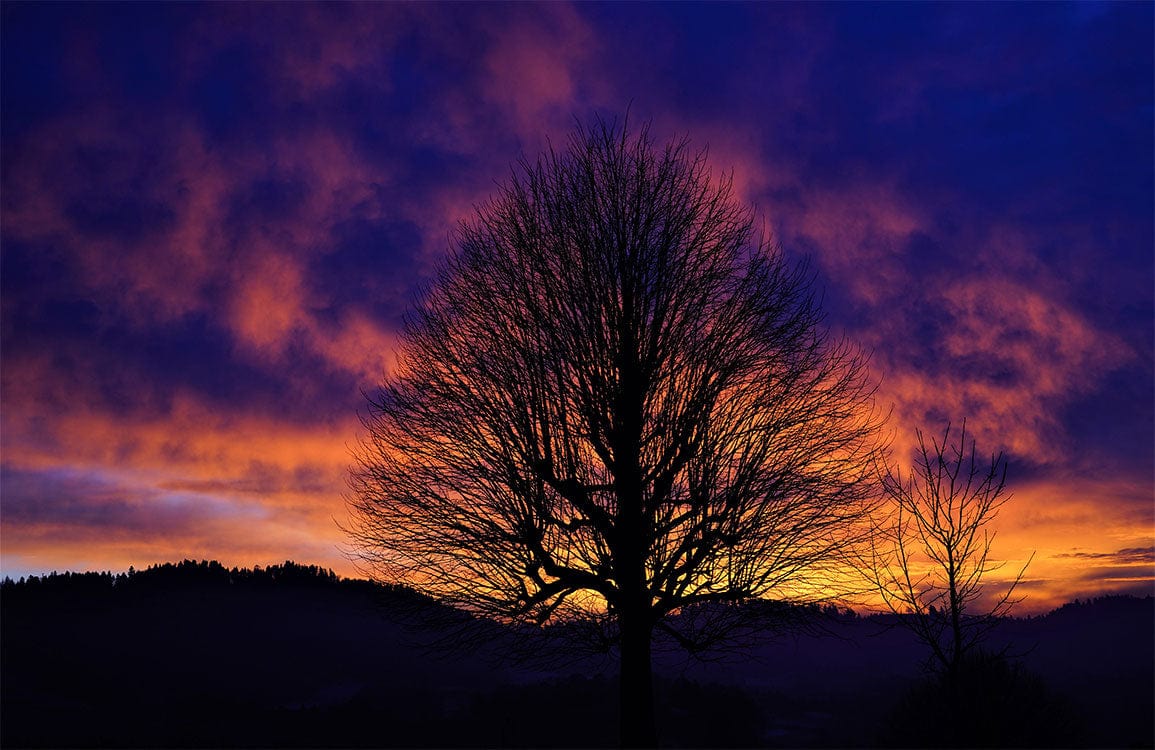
(197, 656)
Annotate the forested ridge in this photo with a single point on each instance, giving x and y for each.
(196, 654)
(181, 574)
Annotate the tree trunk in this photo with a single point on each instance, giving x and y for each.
(636, 682)
(634, 532)
(956, 646)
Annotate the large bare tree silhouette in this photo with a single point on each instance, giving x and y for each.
(616, 402)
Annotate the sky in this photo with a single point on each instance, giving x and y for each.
(214, 216)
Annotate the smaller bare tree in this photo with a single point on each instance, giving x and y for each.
(932, 553)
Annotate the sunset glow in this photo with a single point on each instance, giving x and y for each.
(214, 218)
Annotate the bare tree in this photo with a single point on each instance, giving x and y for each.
(616, 403)
(932, 559)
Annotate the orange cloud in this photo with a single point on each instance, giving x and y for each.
(268, 304)
(208, 496)
(1089, 536)
(96, 484)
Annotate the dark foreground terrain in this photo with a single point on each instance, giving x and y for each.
(194, 655)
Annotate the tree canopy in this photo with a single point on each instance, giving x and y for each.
(616, 401)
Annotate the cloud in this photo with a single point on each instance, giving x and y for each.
(183, 230)
(211, 231)
(98, 519)
(965, 321)
(974, 305)
(55, 420)
(1005, 356)
(537, 66)
(1080, 530)
(1128, 556)
(159, 217)
(210, 215)
(99, 486)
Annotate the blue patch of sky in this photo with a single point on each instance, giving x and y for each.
(230, 96)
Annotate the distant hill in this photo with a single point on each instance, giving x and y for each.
(198, 655)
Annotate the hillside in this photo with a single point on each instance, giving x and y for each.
(195, 655)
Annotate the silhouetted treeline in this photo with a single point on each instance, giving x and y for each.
(194, 654)
(1104, 606)
(188, 574)
(173, 575)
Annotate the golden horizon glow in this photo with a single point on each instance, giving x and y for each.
(245, 474)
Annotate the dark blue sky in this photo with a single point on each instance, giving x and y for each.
(214, 216)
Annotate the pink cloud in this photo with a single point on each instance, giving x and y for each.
(1007, 358)
(75, 175)
(169, 268)
(536, 66)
